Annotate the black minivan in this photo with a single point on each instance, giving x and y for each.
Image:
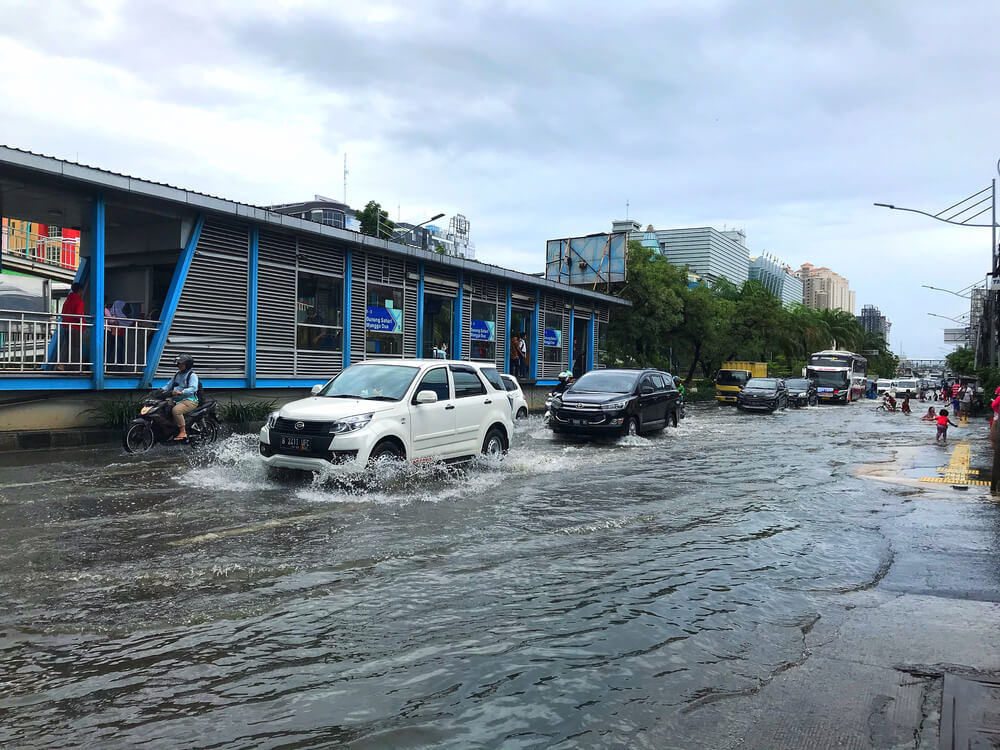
(616, 402)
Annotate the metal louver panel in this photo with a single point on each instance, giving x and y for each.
(211, 318)
(551, 305)
(410, 312)
(324, 365)
(358, 307)
(466, 323)
(501, 356)
(440, 281)
(276, 296)
(320, 256)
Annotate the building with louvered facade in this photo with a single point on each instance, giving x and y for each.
(777, 278)
(262, 298)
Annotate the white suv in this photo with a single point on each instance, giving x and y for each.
(414, 409)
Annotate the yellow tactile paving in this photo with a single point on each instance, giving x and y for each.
(957, 471)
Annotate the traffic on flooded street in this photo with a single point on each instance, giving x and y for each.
(699, 587)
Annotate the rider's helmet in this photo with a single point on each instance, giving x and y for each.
(565, 375)
(184, 359)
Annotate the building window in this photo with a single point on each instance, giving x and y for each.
(319, 313)
(384, 321)
(602, 343)
(483, 333)
(552, 343)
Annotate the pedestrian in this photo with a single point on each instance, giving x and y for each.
(942, 427)
(442, 352)
(515, 355)
(965, 396)
(183, 390)
(523, 347)
(930, 416)
(995, 406)
(906, 405)
(70, 349)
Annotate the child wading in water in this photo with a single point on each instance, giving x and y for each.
(942, 424)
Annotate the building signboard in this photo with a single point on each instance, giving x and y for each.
(383, 319)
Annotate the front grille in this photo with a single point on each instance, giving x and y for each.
(308, 428)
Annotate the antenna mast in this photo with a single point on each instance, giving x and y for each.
(345, 178)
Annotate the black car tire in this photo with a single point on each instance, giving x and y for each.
(813, 400)
(495, 443)
(673, 418)
(386, 450)
(631, 427)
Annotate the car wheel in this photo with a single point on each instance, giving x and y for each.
(495, 443)
(631, 426)
(387, 450)
(522, 413)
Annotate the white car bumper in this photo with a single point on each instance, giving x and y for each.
(342, 448)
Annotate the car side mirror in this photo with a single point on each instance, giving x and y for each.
(316, 389)
(427, 397)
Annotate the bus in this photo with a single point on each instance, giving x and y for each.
(839, 376)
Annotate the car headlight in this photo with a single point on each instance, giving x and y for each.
(615, 405)
(350, 424)
(271, 419)
(555, 403)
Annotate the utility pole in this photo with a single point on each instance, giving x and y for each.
(345, 178)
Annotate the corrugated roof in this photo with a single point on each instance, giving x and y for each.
(248, 212)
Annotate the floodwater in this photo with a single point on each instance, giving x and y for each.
(574, 595)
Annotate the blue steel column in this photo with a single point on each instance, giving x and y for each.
(510, 336)
(97, 296)
(252, 308)
(593, 344)
(534, 337)
(569, 346)
(346, 338)
(170, 305)
(420, 312)
(456, 349)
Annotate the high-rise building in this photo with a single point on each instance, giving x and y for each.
(777, 278)
(872, 319)
(824, 289)
(705, 251)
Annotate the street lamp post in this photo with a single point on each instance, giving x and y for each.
(954, 212)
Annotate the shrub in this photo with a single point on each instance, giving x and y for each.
(118, 411)
(241, 412)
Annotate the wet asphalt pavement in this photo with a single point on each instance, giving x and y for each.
(731, 583)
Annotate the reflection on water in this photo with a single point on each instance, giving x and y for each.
(568, 596)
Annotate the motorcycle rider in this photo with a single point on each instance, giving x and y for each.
(183, 390)
(564, 382)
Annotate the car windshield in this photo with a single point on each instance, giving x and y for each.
(765, 384)
(374, 382)
(731, 377)
(799, 384)
(606, 382)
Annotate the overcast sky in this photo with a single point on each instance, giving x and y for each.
(539, 120)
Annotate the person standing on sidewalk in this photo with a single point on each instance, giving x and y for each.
(965, 397)
(70, 349)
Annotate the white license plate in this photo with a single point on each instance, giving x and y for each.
(302, 444)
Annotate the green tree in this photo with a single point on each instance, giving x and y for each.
(962, 361)
(642, 334)
(374, 221)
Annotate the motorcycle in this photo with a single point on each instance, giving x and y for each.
(155, 424)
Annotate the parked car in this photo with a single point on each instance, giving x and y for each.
(518, 404)
(763, 394)
(616, 402)
(411, 410)
(802, 392)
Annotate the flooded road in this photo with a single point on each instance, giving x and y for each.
(574, 595)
